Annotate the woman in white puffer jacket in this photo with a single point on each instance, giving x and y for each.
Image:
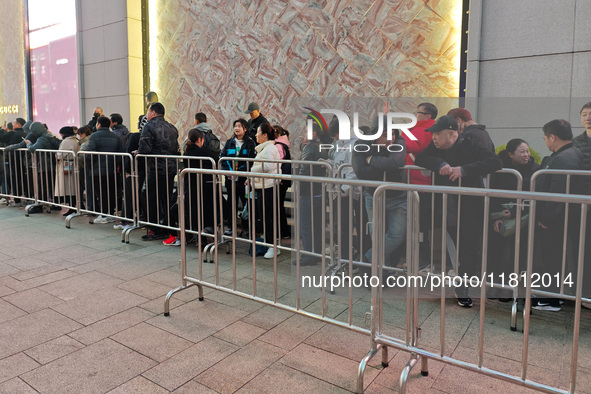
(266, 149)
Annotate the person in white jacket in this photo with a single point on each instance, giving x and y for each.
(266, 149)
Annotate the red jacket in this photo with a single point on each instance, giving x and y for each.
(413, 148)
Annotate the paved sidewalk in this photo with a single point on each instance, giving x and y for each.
(81, 312)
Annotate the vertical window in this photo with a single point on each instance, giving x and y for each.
(54, 63)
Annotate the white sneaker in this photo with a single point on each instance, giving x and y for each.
(271, 253)
(100, 220)
(121, 226)
(3, 201)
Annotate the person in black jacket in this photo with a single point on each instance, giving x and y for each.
(256, 119)
(103, 168)
(453, 157)
(468, 127)
(382, 162)
(550, 216)
(159, 137)
(240, 145)
(196, 147)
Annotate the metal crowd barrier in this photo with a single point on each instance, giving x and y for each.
(102, 190)
(413, 332)
(224, 274)
(19, 176)
(155, 188)
(56, 183)
(250, 201)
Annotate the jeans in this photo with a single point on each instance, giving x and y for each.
(395, 214)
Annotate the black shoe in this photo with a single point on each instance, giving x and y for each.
(228, 232)
(465, 302)
(152, 236)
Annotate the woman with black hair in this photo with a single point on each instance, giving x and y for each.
(239, 146)
(501, 245)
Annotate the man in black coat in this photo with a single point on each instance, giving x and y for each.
(159, 137)
(256, 119)
(103, 169)
(550, 216)
(453, 157)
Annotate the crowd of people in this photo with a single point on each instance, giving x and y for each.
(454, 150)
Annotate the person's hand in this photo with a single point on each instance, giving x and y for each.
(496, 225)
(542, 226)
(345, 191)
(134, 152)
(445, 170)
(27, 142)
(456, 173)
(507, 214)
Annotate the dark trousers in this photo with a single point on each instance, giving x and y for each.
(240, 197)
(284, 227)
(158, 190)
(264, 210)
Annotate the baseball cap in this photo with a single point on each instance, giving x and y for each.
(252, 107)
(444, 123)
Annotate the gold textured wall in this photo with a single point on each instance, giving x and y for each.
(216, 56)
(12, 60)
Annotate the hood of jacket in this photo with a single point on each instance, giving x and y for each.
(203, 127)
(37, 128)
(283, 139)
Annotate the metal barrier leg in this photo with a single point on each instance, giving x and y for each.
(514, 315)
(406, 371)
(361, 369)
(183, 287)
(385, 356)
(424, 366)
(70, 217)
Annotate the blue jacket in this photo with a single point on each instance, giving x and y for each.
(246, 151)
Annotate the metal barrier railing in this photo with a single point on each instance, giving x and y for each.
(56, 178)
(200, 279)
(380, 338)
(154, 181)
(103, 189)
(19, 176)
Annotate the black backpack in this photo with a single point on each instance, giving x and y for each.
(212, 142)
(285, 167)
